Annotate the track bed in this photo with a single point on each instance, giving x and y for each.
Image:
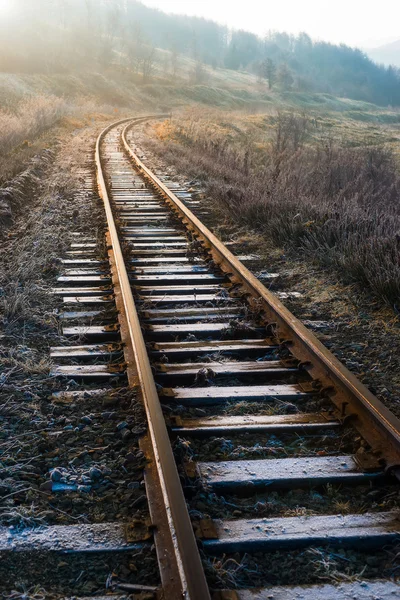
(263, 462)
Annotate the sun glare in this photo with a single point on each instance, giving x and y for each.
(5, 6)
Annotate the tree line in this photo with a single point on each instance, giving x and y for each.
(56, 36)
(298, 63)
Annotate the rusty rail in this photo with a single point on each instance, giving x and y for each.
(184, 577)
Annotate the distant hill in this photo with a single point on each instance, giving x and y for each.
(97, 35)
(388, 54)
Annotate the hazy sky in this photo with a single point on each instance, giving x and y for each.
(365, 23)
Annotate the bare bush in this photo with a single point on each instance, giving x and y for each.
(338, 204)
(32, 117)
(19, 191)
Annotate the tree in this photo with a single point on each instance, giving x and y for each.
(232, 58)
(303, 45)
(284, 77)
(71, 35)
(268, 71)
(174, 61)
(147, 62)
(199, 74)
(304, 84)
(134, 46)
(113, 21)
(105, 54)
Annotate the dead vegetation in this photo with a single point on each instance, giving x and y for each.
(248, 446)
(44, 202)
(19, 191)
(33, 241)
(326, 199)
(268, 504)
(33, 116)
(305, 566)
(33, 125)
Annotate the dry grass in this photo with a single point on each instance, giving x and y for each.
(32, 117)
(305, 190)
(46, 202)
(331, 567)
(40, 122)
(32, 593)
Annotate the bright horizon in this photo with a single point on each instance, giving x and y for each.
(360, 23)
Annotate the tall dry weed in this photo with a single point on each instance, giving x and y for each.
(338, 204)
(32, 117)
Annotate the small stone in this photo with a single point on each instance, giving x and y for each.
(125, 433)
(133, 485)
(130, 457)
(317, 497)
(358, 347)
(95, 473)
(55, 475)
(86, 420)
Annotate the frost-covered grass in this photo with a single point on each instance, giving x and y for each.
(306, 187)
(32, 117)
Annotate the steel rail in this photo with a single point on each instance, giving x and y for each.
(187, 575)
(377, 424)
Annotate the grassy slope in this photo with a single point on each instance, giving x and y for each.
(119, 91)
(119, 87)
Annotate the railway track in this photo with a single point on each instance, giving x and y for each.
(245, 409)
